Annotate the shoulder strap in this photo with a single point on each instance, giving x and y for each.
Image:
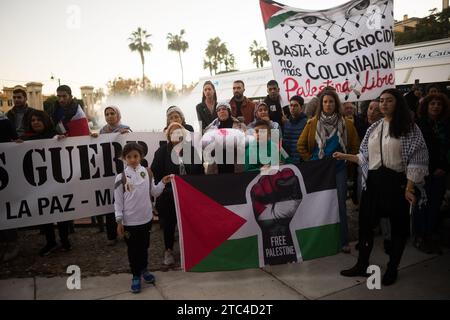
(124, 180)
(381, 143)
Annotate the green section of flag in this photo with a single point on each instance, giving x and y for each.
(242, 253)
(276, 20)
(319, 242)
(231, 255)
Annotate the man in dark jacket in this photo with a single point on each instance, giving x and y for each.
(20, 112)
(293, 128)
(273, 101)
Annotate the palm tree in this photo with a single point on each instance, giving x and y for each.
(215, 53)
(259, 54)
(230, 62)
(254, 52)
(176, 43)
(138, 42)
(208, 64)
(264, 56)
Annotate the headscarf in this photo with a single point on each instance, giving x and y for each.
(173, 109)
(229, 122)
(118, 126)
(258, 106)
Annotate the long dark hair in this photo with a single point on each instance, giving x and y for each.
(402, 122)
(41, 115)
(214, 88)
(337, 102)
(423, 108)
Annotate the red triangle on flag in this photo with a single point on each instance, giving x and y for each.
(205, 224)
(268, 10)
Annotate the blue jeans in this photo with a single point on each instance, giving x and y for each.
(341, 184)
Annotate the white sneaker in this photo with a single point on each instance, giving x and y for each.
(168, 258)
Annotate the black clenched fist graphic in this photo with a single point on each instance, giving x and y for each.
(275, 200)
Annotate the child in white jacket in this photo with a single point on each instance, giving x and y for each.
(134, 212)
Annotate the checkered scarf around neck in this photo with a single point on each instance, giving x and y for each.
(327, 126)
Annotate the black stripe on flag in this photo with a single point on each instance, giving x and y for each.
(229, 189)
(226, 189)
(319, 175)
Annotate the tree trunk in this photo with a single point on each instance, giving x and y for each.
(143, 74)
(182, 73)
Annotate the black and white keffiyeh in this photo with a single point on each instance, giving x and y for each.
(327, 127)
(414, 156)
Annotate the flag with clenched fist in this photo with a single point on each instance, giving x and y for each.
(275, 200)
(249, 220)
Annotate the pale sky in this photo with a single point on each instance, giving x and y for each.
(42, 37)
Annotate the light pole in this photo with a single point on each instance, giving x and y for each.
(59, 80)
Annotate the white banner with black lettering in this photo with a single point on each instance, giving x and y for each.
(46, 181)
(349, 47)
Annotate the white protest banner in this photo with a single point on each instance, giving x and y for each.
(46, 181)
(349, 47)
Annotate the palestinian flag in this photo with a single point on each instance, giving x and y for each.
(238, 221)
(275, 13)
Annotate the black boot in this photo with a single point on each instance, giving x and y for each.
(360, 269)
(390, 277)
(397, 248)
(387, 244)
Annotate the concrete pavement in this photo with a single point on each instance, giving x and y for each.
(421, 276)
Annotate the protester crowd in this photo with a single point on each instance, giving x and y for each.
(394, 154)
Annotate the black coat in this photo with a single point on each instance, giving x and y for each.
(7, 130)
(204, 115)
(437, 139)
(12, 114)
(275, 110)
(162, 166)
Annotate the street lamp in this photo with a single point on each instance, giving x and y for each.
(59, 80)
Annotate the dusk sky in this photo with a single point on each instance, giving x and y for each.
(48, 36)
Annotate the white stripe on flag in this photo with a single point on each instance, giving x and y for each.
(79, 114)
(316, 209)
